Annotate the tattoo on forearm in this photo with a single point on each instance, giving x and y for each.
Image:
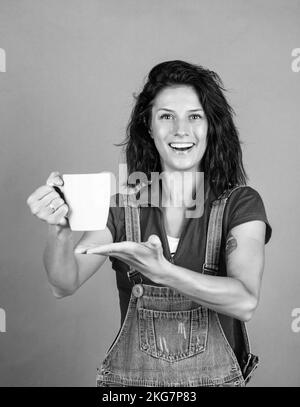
(231, 244)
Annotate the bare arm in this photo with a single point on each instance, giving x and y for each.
(237, 294)
(67, 269)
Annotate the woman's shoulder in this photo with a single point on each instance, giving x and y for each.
(238, 191)
(245, 204)
(245, 196)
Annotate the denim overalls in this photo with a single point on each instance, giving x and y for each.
(166, 338)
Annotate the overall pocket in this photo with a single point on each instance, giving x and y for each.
(173, 335)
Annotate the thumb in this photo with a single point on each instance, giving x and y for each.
(64, 222)
(155, 241)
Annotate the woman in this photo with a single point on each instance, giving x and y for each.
(187, 285)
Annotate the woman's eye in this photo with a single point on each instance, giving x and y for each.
(168, 116)
(165, 116)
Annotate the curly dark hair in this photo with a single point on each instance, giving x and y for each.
(222, 160)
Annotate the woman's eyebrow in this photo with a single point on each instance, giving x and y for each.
(170, 110)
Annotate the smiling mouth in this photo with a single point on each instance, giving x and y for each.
(181, 146)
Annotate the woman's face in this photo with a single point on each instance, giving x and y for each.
(179, 128)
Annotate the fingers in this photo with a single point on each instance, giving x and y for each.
(39, 194)
(42, 206)
(119, 247)
(64, 222)
(104, 249)
(126, 249)
(56, 217)
(53, 198)
(47, 203)
(55, 179)
(52, 207)
(81, 248)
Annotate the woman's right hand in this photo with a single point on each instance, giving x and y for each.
(47, 204)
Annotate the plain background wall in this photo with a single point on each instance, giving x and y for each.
(72, 67)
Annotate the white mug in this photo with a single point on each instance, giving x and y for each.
(88, 199)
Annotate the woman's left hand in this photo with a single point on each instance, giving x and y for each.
(146, 257)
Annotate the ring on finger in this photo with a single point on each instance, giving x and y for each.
(52, 207)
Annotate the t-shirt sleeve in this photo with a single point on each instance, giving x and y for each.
(244, 205)
(110, 224)
(115, 219)
(113, 215)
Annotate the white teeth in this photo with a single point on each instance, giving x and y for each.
(181, 145)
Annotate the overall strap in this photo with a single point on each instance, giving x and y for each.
(214, 232)
(133, 232)
(213, 244)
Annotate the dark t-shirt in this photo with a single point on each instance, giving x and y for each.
(245, 204)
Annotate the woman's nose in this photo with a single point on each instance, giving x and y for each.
(181, 128)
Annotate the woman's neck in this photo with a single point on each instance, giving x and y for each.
(180, 188)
